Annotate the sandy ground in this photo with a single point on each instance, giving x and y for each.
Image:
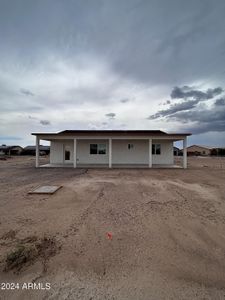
(168, 231)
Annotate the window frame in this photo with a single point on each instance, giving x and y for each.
(156, 149)
(101, 148)
(93, 148)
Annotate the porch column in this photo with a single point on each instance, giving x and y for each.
(150, 153)
(110, 153)
(75, 153)
(37, 151)
(185, 153)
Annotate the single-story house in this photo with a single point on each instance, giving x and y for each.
(10, 150)
(111, 148)
(199, 150)
(31, 150)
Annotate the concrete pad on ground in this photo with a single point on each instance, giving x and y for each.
(46, 189)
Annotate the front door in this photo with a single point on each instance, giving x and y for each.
(67, 154)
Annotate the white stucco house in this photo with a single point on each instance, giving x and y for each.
(111, 148)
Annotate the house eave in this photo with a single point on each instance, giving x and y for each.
(114, 134)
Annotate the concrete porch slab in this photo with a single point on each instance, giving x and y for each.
(56, 166)
(115, 166)
(166, 167)
(46, 189)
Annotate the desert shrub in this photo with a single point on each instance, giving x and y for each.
(29, 250)
(21, 255)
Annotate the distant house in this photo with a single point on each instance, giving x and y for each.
(10, 150)
(31, 150)
(197, 150)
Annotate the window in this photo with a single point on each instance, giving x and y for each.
(93, 148)
(156, 149)
(67, 155)
(97, 148)
(153, 148)
(130, 146)
(101, 148)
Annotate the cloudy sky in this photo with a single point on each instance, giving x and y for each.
(121, 64)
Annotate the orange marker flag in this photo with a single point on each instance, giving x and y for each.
(109, 235)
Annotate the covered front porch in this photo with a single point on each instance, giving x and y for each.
(112, 153)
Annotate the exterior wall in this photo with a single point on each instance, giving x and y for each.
(139, 154)
(122, 155)
(166, 156)
(84, 156)
(57, 151)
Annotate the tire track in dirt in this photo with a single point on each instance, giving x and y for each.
(84, 215)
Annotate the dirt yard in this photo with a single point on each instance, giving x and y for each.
(167, 231)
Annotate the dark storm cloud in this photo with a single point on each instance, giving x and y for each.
(202, 119)
(220, 102)
(205, 115)
(217, 126)
(45, 122)
(211, 93)
(187, 92)
(26, 92)
(110, 115)
(174, 108)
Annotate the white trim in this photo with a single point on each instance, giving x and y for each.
(55, 137)
(185, 153)
(110, 153)
(150, 153)
(75, 153)
(37, 152)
